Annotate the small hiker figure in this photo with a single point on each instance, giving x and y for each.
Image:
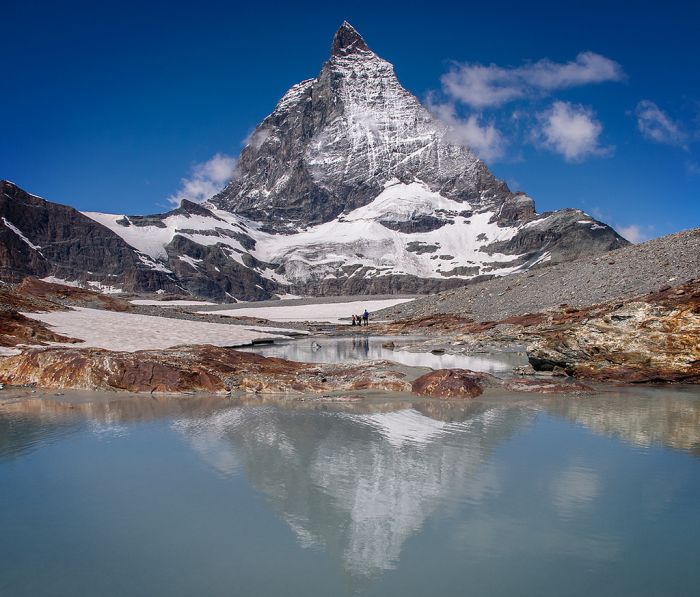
(365, 317)
(353, 319)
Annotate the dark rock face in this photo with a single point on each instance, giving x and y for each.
(212, 273)
(563, 235)
(40, 238)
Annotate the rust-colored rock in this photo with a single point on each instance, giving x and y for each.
(70, 294)
(191, 368)
(655, 338)
(451, 383)
(649, 338)
(17, 329)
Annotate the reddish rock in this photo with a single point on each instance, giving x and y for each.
(191, 368)
(17, 329)
(452, 383)
(74, 295)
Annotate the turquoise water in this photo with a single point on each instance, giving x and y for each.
(561, 496)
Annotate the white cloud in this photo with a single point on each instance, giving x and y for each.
(570, 130)
(207, 179)
(256, 138)
(484, 139)
(482, 86)
(633, 233)
(658, 126)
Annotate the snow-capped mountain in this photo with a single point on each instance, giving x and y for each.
(352, 186)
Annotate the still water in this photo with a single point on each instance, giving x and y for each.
(204, 496)
(360, 347)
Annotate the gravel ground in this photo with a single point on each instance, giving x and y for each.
(626, 272)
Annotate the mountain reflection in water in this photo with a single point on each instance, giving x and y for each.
(358, 485)
(372, 483)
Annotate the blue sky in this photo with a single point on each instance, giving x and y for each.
(108, 106)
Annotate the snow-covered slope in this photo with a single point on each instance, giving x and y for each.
(408, 238)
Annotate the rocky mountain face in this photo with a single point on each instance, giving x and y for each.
(349, 186)
(46, 239)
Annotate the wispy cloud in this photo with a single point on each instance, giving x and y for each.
(481, 86)
(207, 179)
(634, 233)
(570, 130)
(483, 138)
(656, 125)
(692, 168)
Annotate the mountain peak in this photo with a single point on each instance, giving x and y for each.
(347, 41)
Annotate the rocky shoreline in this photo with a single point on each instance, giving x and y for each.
(649, 338)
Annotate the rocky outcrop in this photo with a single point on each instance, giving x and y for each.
(464, 384)
(58, 295)
(653, 339)
(16, 329)
(205, 368)
(33, 296)
(192, 368)
(648, 338)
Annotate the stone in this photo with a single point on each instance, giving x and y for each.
(199, 368)
(451, 383)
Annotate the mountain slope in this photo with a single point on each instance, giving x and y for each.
(349, 186)
(46, 239)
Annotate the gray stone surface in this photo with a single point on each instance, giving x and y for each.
(625, 272)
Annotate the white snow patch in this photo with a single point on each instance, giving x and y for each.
(104, 288)
(130, 331)
(359, 238)
(54, 280)
(6, 351)
(151, 263)
(191, 261)
(326, 312)
(18, 232)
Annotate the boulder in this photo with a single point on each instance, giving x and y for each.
(452, 383)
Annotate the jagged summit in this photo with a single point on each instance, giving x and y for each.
(347, 41)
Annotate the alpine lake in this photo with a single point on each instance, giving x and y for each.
(108, 494)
